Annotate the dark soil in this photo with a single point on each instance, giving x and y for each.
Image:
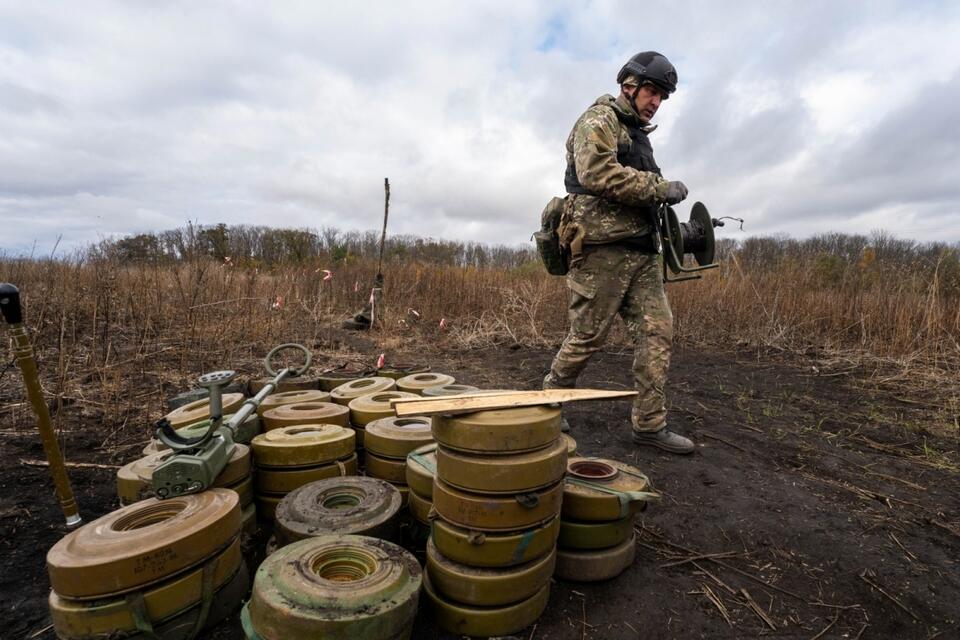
(814, 506)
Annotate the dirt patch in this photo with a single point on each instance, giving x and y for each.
(813, 505)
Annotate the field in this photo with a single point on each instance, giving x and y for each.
(818, 379)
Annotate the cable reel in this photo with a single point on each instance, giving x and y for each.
(692, 237)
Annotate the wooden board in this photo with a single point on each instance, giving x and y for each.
(469, 403)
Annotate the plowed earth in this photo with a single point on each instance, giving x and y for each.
(815, 506)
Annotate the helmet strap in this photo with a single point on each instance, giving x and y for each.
(633, 97)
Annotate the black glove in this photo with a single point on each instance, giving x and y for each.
(676, 192)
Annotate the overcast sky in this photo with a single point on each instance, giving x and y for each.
(801, 117)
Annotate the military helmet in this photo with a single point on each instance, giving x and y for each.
(650, 66)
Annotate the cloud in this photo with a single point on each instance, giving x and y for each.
(129, 117)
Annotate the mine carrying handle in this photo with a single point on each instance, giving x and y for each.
(23, 350)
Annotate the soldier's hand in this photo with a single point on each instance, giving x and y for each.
(676, 192)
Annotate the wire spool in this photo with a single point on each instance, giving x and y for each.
(143, 543)
(281, 480)
(419, 507)
(599, 490)
(578, 565)
(417, 382)
(374, 406)
(300, 383)
(499, 431)
(496, 512)
(135, 479)
(303, 445)
(491, 549)
(512, 473)
(291, 415)
(397, 371)
(594, 535)
(421, 468)
(184, 625)
(200, 410)
(483, 586)
(362, 387)
(334, 587)
(449, 390)
(114, 616)
(468, 620)
(343, 506)
(571, 444)
(390, 469)
(393, 437)
(245, 432)
(275, 400)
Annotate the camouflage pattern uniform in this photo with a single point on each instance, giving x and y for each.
(617, 270)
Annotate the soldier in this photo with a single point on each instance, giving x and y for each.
(615, 187)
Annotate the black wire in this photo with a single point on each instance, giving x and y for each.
(740, 220)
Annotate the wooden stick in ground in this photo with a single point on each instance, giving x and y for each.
(485, 402)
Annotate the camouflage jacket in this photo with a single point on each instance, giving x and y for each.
(612, 201)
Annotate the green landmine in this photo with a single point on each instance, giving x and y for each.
(334, 586)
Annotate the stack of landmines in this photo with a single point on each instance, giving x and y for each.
(306, 438)
(600, 498)
(496, 502)
(313, 435)
(388, 439)
(154, 569)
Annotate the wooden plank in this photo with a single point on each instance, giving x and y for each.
(486, 402)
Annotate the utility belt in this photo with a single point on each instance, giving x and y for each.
(572, 240)
(644, 244)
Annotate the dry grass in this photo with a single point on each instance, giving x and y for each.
(202, 305)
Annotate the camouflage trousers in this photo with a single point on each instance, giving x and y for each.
(611, 280)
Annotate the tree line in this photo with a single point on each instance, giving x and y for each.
(831, 254)
(262, 246)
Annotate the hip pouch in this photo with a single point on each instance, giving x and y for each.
(555, 258)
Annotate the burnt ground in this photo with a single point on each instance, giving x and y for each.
(815, 506)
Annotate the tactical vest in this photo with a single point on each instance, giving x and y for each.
(638, 155)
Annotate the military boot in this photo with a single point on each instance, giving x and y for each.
(664, 439)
